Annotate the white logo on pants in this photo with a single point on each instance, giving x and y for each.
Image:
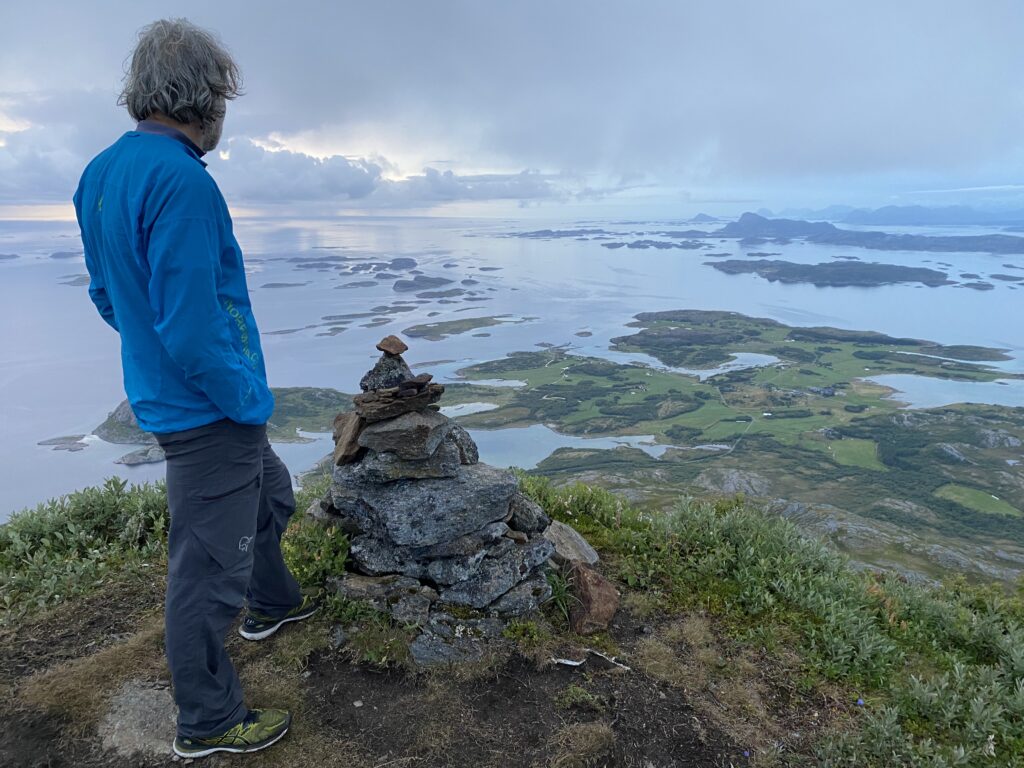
(244, 542)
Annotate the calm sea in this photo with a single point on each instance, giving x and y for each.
(60, 368)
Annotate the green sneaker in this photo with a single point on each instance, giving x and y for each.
(257, 626)
(259, 729)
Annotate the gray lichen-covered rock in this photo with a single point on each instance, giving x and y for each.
(377, 555)
(524, 598)
(451, 570)
(411, 609)
(527, 515)
(447, 639)
(355, 586)
(140, 721)
(325, 513)
(570, 546)
(496, 576)
(411, 436)
(469, 543)
(468, 452)
(390, 371)
(387, 467)
(424, 512)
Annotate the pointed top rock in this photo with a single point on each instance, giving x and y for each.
(389, 371)
(392, 345)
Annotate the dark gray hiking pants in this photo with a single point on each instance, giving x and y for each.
(230, 498)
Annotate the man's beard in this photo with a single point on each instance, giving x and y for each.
(210, 135)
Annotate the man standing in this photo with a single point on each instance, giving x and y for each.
(167, 274)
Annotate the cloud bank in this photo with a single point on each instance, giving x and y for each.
(536, 100)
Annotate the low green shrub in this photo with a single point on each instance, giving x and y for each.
(312, 550)
(71, 544)
(937, 674)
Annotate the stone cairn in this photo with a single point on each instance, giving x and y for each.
(437, 539)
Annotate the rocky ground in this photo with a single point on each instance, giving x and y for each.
(86, 685)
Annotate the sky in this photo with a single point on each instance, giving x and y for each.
(548, 107)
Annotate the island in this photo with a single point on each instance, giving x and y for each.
(920, 491)
(836, 274)
(751, 225)
(445, 328)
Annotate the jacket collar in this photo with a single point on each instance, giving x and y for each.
(152, 126)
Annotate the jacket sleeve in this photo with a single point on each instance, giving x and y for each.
(98, 294)
(97, 287)
(184, 260)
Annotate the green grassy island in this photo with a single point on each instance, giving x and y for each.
(829, 448)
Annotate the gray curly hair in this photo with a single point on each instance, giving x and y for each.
(180, 71)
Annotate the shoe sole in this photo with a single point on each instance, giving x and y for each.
(236, 750)
(268, 632)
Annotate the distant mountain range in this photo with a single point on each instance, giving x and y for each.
(755, 229)
(904, 215)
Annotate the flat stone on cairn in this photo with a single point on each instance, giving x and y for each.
(433, 532)
(392, 345)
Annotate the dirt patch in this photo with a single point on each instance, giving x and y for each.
(516, 712)
(747, 694)
(30, 740)
(691, 697)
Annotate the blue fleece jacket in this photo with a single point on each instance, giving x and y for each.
(167, 274)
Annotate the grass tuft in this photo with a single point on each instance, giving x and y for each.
(77, 690)
(580, 745)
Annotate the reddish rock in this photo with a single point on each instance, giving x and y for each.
(392, 345)
(517, 536)
(597, 600)
(347, 428)
(386, 403)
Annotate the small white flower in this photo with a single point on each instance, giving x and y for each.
(990, 746)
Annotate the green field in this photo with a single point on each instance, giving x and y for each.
(854, 452)
(805, 429)
(978, 500)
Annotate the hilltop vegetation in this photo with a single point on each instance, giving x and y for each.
(782, 654)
